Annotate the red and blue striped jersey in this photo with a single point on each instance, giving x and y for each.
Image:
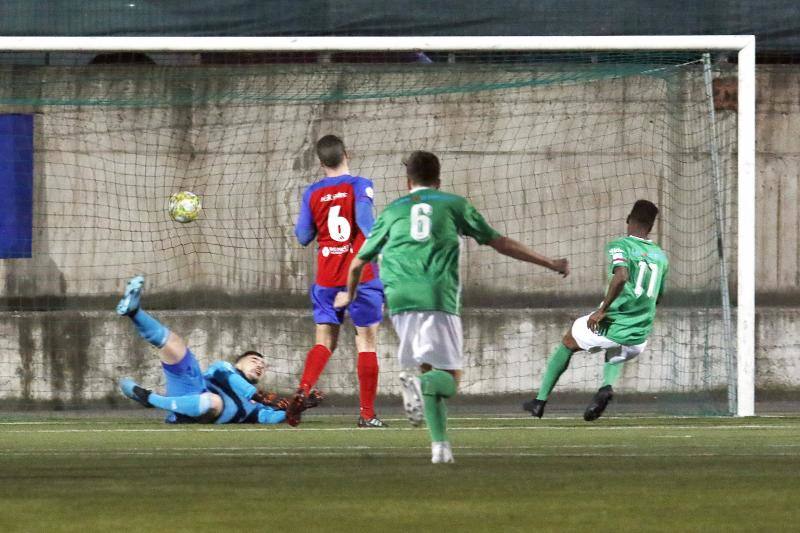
(339, 212)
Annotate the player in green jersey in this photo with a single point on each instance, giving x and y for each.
(620, 326)
(418, 237)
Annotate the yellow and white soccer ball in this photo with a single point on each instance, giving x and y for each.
(184, 206)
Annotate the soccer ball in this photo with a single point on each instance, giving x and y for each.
(184, 206)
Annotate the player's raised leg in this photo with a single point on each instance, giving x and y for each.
(186, 392)
(556, 365)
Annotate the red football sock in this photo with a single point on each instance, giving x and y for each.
(367, 382)
(316, 359)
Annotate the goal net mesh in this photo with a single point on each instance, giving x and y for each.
(553, 149)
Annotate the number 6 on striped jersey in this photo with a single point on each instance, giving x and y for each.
(338, 227)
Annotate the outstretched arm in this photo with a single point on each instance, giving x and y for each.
(614, 290)
(517, 250)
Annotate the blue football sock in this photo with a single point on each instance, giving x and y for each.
(150, 329)
(268, 416)
(193, 405)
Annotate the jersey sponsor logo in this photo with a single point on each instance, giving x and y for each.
(336, 250)
(330, 197)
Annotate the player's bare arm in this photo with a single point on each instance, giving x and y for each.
(344, 298)
(614, 289)
(516, 250)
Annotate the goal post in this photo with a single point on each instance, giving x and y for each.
(743, 45)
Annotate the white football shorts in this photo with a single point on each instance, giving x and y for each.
(431, 337)
(592, 342)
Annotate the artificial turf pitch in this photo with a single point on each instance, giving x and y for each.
(511, 474)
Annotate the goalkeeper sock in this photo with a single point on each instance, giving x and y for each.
(193, 405)
(316, 359)
(367, 383)
(556, 366)
(150, 329)
(268, 416)
(611, 372)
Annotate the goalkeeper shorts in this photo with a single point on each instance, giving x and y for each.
(184, 377)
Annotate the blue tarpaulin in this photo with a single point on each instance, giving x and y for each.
(16, 185)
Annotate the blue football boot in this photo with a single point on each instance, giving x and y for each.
(129, 303)
(133, 391)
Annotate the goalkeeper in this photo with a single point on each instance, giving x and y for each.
(224, 394)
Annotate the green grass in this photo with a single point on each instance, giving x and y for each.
(511, 474)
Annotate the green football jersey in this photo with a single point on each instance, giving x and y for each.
(630, 317)
(418, 239)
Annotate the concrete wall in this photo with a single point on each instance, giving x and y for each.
(76, 357)
(556, 166)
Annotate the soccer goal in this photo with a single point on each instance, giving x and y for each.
(552, 138)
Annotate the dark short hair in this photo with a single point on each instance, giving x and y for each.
(422, 168)
(644, 212)
(330, 150)
(249, 353)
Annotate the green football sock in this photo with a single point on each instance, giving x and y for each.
(438, 383)
(436, 417)
(556, 366)
(611, 372)
(436, 386)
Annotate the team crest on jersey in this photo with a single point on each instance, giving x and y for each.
(369, 192)
(331, 197)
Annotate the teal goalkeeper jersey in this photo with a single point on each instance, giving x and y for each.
(418, 239)
(630, 317)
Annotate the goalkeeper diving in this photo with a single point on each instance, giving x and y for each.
(224, 394)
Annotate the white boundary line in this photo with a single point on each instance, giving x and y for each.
(228, 429)
(394, 454)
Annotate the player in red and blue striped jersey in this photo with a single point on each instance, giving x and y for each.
(338, 211)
